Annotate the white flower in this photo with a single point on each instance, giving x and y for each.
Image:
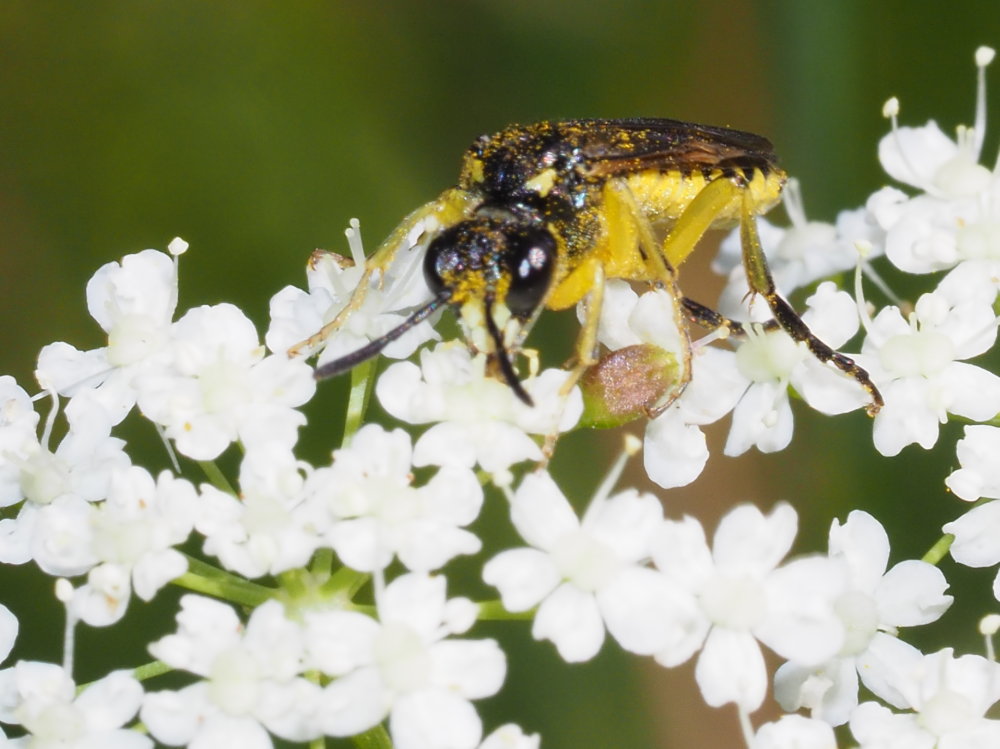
(58, 488)
(222, 388)
(628, 318)
(956, 217)
(948, 697)
(753, 381)
(261, 532)
(42, 698)
(773, 361)
(133, 534)
(404, 666)
(979, 475)
(674, 452)
(479, 419)
(332, 279)
(376, 513)
(8, 631)
(744, 596)
(251, 679)
(873, 602)
(587, 575)
(795, 732)
(510, 736)
(134, 302)
(973, 280)
(917, 366)
(18, 422)
(977, 539)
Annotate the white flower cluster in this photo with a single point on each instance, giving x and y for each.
(340, 567)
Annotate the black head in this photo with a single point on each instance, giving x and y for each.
(491, 260)
(496, 272)
(493, 270)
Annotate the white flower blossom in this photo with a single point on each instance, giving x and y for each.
(42, 698)
(133, 301)
(250, 680)
(590, 574)
(404, 666)
(744, 596)
(917, 365)
(8, 631)
(874, 603)
(674, 448)
(375, 513)
(510, 736)
(628, 318)
(956, 215)
(979, 475)
(221, 387)
(795, 732)
(753, 381)
(773, 361)
(476, 419)
(948, 697)
(132, 535)
(977, 539)
(58, 487)
(18, 424)
(261, 532)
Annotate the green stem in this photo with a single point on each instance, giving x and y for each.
(937, 552)
(322, 563)
(373, 738)
(151, 669)
(143, 672)
(202, 577)
(493, 611)
(357, 403)
(216, 477)
(345, 581)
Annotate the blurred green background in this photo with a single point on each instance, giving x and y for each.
(256, 130)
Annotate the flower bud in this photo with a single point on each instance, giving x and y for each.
(625, 384)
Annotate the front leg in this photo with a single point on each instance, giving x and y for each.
(447, 209)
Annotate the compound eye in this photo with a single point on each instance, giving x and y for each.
(532, 259)
(442, 260)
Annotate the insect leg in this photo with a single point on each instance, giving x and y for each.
(446, 208)
(584, 356)
(708, 318)
(698, 217)
(661, 270)
(760, 281)
(586, 341)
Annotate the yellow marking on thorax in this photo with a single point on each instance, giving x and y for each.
(472, 171)
(542, 182)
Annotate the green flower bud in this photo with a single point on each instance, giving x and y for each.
(625, 384)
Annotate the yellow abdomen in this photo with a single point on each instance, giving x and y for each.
(663, 196)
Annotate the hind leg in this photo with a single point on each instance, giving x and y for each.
(761, 282)
(722, 196)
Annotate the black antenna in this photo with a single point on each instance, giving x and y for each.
(373, 348)
(506, 368)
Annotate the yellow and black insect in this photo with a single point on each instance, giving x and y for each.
(544, 214)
